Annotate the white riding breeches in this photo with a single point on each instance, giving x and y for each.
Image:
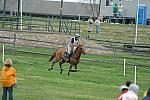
(69, 48)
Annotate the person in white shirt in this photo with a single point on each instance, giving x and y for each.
(97, 23)
(120, 10)
(90, 24)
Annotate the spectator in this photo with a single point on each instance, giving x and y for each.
(115, 10)
(97, 23)
(8, 79)
(147, 97)
(90, 24)
(132, 93)
(124, 89)
(120, 10)
(128, 83)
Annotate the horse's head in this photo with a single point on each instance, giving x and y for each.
(81, 49)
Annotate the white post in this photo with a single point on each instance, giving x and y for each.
(136, 33)
(3, 53)
(21, 13)
(124, 64)
(134, 74)
(79, 16)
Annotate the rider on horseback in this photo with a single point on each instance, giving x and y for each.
(73, 45)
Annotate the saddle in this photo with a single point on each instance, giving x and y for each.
(66, 54)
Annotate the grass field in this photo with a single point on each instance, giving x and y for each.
(93, 81)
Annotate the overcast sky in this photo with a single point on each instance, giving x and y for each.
(65, 0)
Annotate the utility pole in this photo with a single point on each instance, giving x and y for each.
(4, 14)
(21, 14)
(61, 5)
(18, 15)
(137, 22)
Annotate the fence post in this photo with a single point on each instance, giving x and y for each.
(3, 53)
(124, 65)
(48, 25)
(134, 74)
(14, 43)
(114, 52)
(46, 28)
(132, 48)
(4, 14)
(11, 24)
(29, 24)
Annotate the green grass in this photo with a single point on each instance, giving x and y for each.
(93, 81)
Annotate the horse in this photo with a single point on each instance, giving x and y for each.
(58, 56)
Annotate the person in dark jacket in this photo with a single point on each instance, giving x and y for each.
(147, 97)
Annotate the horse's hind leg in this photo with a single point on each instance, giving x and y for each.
(60, 63)
(51, 66)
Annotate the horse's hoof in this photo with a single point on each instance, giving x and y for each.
(61, 71)
(50, 69)
(75, 70)
(68, 74)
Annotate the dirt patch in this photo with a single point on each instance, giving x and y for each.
(49, 40)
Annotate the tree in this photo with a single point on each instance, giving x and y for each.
(93, 6)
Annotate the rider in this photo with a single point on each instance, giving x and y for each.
(73, 45)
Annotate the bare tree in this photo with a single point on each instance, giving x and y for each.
(10, 5)
(93, 6)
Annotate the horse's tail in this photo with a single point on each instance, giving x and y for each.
(53, 55)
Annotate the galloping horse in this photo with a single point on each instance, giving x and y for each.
(58, 56)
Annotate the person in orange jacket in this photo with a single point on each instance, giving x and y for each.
(8, 79)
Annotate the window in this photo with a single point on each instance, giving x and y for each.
(109, 2)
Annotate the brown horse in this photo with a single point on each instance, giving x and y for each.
(58, 56)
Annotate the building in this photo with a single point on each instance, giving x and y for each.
(71, 9)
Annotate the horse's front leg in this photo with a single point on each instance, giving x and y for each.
(70, 69)
(75, 68)
(60, 63)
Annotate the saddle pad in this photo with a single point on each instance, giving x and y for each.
(66, 54)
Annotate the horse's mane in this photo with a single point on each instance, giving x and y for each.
(78, 47)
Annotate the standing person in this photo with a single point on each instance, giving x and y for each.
(124, 89)
(120, 10)
(97, 23)
(90, 24)
(147, 97)
(128, 83)
(132, 93)
(8, 79)
(115, 9)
